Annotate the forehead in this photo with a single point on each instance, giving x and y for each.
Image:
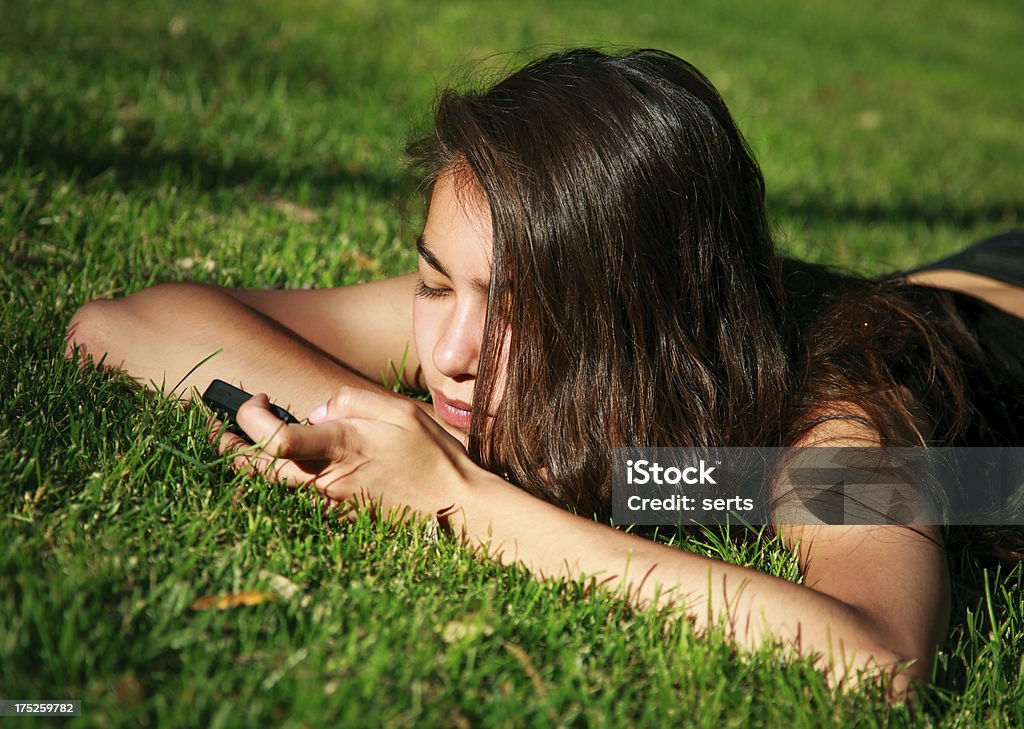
(457, 193)
(458, 227)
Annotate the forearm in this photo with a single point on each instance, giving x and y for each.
(751, 606)
(874, 600)
(182, 336)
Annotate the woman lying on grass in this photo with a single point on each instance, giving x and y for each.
(596, 270)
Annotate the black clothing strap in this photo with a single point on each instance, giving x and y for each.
(1000, 257)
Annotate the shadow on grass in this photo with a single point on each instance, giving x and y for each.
(820, 211)
(137, 164)
(76, 145)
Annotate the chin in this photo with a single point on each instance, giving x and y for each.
(462, 437)
(455, 432)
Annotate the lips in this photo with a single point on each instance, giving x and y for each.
(453, 412)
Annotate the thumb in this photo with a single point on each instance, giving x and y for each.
(355, 402)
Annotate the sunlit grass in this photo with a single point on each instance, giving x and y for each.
(259, 144)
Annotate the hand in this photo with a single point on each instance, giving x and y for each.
(368, 448)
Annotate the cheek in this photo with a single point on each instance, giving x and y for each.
(424, 331)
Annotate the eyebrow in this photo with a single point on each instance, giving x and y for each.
(427, 255)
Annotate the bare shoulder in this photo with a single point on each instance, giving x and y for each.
(1000, 294)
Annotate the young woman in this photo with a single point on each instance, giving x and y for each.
(595, 271)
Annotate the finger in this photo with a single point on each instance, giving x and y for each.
(355, 402)
(215, 431)
(247, 458)
(324, 442)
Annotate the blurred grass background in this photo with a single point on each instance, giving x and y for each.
(259, 144)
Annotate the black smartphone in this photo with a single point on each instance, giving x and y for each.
(225, 399)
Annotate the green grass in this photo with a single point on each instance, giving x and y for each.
(258, 144)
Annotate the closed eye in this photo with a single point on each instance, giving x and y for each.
(426, 292)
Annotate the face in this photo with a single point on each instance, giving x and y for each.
(450, 308)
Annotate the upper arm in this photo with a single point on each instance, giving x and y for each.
(896, 577)
(368, 327)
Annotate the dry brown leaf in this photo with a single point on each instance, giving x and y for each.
(295, 211)
(360, 261)
(231, 600)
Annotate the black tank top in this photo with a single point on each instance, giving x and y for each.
(989, 343)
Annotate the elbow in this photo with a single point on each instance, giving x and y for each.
(896, 654)
(902, 674)
(101, 328)
(106, 331)
(906, 674)
(88, 334)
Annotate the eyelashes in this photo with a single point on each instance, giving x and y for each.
(426, 292)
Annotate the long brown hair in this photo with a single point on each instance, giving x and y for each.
(634, 268)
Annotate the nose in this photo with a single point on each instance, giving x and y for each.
(457, 352)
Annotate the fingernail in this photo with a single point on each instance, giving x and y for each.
(319, 413)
